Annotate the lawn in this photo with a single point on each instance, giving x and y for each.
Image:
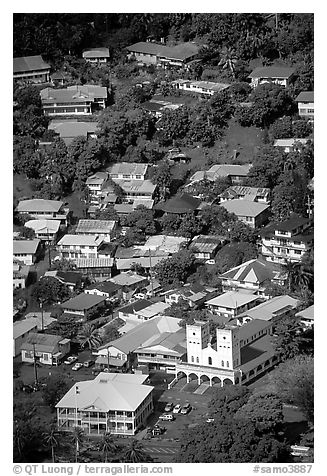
(21, 187)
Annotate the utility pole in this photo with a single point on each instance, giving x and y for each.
(276, 21)
(35, 366)
(151, 279)
(42, 321)
(108, 357)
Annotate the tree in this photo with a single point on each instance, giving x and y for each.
(241, 232)
(26, 232)
(142, 220)
(135, 453)
(56, 387)
(268, 165)
(282, 128)
(289, 196)
(162, 177)
(63, 265)
(294, 383)
(174, 124)
(228, 59)
(175, 269)
(234, 254)
(289, 339)
(77, 439)
(90, 337)
(49, 290)
(51, 440)
(227, 401)
(190, 225)
(265, 410)
(107, 446)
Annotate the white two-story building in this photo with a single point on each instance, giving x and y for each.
(73, 247)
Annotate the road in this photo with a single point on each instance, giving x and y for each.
(160, 450)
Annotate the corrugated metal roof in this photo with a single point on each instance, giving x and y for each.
(39, 205)
(272, 72)
(29, 63)
(244, 207)
(25, 246)
(232, 299)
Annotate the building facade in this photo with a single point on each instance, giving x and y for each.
(305, 104)
(31, 69)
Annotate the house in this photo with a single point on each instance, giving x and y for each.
(42, 209)
(72, 247)
(305, 104)
(130, 282)
(156, 107)
(104, 229)
(289, 145)
(236, 173)
(180, 204)
(271, 311)
(205, 247)
(46, 349)
(238, 355)
(42, 319)
(233, 303)
(128, 171)
(96, 182)
(45, 230)
(142, 310)
(113, 403)
(71, 279)
(74, 100)
(127, 257)
(26, 251)
(194, 294)
(176, 156)
(271, 74)
(254, 275)
(98, 269)
(306, 317)
(107, 289)
(165, 243)
(207, 88)
(21, 331)
(70, 130)
(252, 194)
(83, 305)
(288, 240)
(142, 335)
(59, 78)
(141, 192)
(31, 69)
(146, 53)
(20, 274)
(96, 56)
(253, 214)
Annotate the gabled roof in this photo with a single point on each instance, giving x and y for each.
(128, 168)
(305, 96)
(72, 129)
(244, 207)
(69, 277)
(136, 306)
(249, 193)
(124, 264)
(292, 223)
(101, 52)
(271, 308)
(127, 279)
(136, 186)
(104, 286)
(82, 240)
(164, 243)
(25, 246)
(83, 302)
(170, 343)
(233, 299)
(225, 170)
(95, 226)
(256, 353)
(289, 142)
(254, 271)
(205, 243)
(29, 63)
(43, 342)
(71, 94)
(272, 72)
(147, 47)
(181, 52)
(307, 313)
(184, 203)
(97, 178)
(108, 391)
(39, 205)
(94, 262)
(43, 226)
(21, 327)
(251, 328)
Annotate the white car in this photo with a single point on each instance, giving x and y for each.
(70, 360)
(77, 366)
(177, 408)
(167, 417)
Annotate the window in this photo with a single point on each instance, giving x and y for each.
(197, 360)
(227, 363)
(297, 252)
(222, 363)
(209, 360)
(192, 359)
(311, 111)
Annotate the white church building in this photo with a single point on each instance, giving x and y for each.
(238, 354)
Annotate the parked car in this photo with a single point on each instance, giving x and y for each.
(167, 417)
(70, 360)
(77, 366)
(177, 408)
(169, 407)
(88, 363)
(186, 409)
(158, 430)
(210, 420)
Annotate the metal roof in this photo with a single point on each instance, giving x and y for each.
(25, 246)
(305, 96)
(233, 299)
(95, 226)
(83, 302)
(29, 63)
(244, 207)
(268, 309)
(101, 52)
(128, 168)
(39, 205)
(272, 72)
(21, 327)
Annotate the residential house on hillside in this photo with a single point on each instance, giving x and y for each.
(21, 274)
(96, 56)
(128, 171)
(104, 229)
(42, 209)
(107, 289)
(180, 56)
(142, 310)
(194, 294)
(271, 74)
(305, 104)
(45, 230)
(96, 182)
(74, 100)
(289, 145)
(288, 240)
(165, 243)
(236, 173)
(83, 304)
(42, 319)
(208, 88)
(271, 311)
(31, 69)
(205, 247)
(126, 258)
(306, 317)
(253, 214)
(180, 204)
(112, 403)
(252, 194)
(26, 251)
(233, 303)
(72, 247)
(130, 282)
(46, 349)
(98, 269)
(71, 279)
(21, 331)
(254, 275)
(139, 191)
(70, 130)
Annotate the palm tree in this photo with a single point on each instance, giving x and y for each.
(228, 59)
(298, 275)
(135, 453)
(107, 446)
(51, 440)
(90, 336)
(19, 440)
(77, 438)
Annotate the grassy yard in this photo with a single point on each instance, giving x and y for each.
(21, 187)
